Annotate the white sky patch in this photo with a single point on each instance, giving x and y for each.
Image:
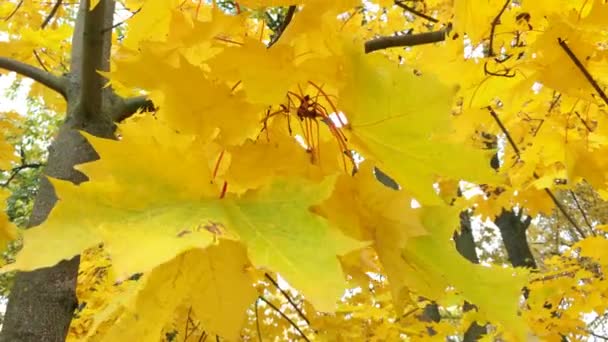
(301, 141)
(18, 104)
(469, 189)
(471, 51)
(536, 87)
(338, 119)
(372, 7)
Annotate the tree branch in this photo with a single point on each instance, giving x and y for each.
(557, 203)
(16, 170)
(93, 57)
(415, 12)
(45, 78)
(131, 105)
(47, 20)
(496, 22)
(385, 42)
(294, 325)
(561, 208)
(580, 208)
(582, 68)
(504, 130)
(8, 17)
(288, 298)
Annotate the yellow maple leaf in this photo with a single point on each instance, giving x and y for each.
(212, 281)
(190, 101)
(137, 206)
(284, 236)
(475, 18)
(548, 52)
(134, 197)
(273, 69)
(151, 23)
(276, 153)
(397, 119)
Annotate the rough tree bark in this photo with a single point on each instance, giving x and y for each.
(513, 231)
(42, 302)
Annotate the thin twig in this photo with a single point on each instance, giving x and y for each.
(583, 121)
(279, 32)
(504, 130)
(186, 335)
(63, 67)
(563, 210)
(415, 12)
(51, 14)
(203, 337)
(603, 337)
(10, 15)
(580, 208)
(285, 317)
(405, 315)
(385, 42)
(554, 276)
(257, 319)
(495, 23)
(15, 171)
(45, 78)
(286, 295)
(554, 102)
(582, 68)
(40, 60)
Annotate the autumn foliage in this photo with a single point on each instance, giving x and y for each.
(257, 165)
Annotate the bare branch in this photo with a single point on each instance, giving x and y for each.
(45, 78)
(405, 40)
(583, 213)
(257, 319)
(288, 298)
(131, 106)
(47, 20)
(16, 170)
(582, 68)
(8, 17)
(557, 203)
(561, 208)
(294, 325)
(504, 130)
(495, 23)
(415, 12)
(40, 60)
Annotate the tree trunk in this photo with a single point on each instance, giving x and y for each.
(465, 244)
(42, 302)
(513, 231)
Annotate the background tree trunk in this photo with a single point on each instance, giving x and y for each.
(513, 231)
